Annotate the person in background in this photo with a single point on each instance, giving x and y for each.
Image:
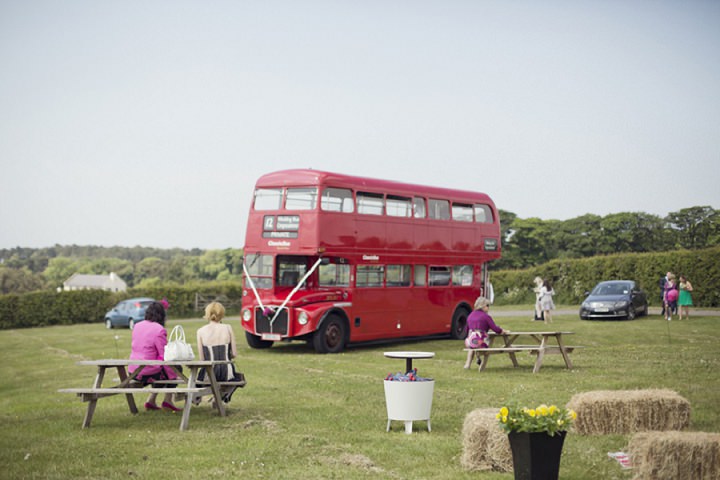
(538, 309)
(546, 301)
(148, 343)
(670, 296)
(479, 322)
(216, 341)
(685, 297)
(661, 283)
(490, 295)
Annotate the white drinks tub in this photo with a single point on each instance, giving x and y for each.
(409, 401)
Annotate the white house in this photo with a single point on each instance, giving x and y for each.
(82, 281)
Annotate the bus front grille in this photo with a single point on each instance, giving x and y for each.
(280, 325)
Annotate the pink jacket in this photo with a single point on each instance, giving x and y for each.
(148, 343)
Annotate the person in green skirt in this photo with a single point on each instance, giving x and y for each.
(685, 298)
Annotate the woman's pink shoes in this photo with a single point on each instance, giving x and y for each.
(169, 407)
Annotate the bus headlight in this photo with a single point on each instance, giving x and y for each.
(246, 315)
(303, 318)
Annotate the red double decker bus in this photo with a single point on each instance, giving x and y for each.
(335, 259)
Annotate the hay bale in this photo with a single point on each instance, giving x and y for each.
(485, 446)
(629, 411)
(674, 455)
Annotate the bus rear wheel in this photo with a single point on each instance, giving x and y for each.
(458, 327)
(330, 337)
(256, 342)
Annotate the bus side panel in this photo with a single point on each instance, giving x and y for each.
(379, 309)
(336, 230)
(371, 232)
(464, 239)
(400, 232)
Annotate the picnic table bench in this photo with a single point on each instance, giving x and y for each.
(542, 348)
(128, 384)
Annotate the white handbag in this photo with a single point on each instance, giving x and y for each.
(177, 348)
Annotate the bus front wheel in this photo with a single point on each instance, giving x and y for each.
(458, 328)
(256, 342)
(330, 337)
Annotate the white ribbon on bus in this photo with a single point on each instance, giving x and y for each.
(287, 299)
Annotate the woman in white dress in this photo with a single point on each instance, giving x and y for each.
(538, 308)
(546, 301)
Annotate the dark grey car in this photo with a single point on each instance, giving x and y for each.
(127, 313)
(614, 299)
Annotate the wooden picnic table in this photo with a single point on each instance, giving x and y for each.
(129, 385)
(547, 343)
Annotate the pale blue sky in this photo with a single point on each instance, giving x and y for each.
(147, 123)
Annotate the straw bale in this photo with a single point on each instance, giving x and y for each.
(675, 455)
(629, 411)
(485, 445)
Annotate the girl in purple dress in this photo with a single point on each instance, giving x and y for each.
(479, 322)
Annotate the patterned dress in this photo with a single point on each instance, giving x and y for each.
(223, 373)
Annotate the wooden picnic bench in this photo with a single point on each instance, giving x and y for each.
(540, 350)
(129, 385)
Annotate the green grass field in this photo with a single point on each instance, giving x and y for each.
(309, 416)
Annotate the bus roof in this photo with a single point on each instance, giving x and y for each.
(307, 177)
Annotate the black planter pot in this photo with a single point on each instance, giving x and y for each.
(536, 456)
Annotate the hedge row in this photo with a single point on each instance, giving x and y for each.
(571, 278)
(45, 308)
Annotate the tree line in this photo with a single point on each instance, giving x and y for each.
(28, 269)
(525, 243)
(531, 241)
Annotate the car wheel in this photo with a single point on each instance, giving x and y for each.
(254, 341)
(330, 337)
(108, 323)
(458, 327)
(631, 313)
(131, 324)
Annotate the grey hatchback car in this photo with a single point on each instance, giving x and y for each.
(128, 312)
(614, 299)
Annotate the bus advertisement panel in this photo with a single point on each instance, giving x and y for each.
(335, 259)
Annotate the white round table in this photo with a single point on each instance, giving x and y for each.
(409, 356)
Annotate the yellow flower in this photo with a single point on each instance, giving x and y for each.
(542, 410)
(504, 411)
(531, 412)
(573, 415)
(504, 419)
(553, 409)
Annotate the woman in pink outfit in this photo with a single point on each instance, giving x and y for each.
(148, 343)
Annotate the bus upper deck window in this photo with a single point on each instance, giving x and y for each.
(268, 198)
(337, 200)
(419, 207)
(462, 213)
(370, 203)
(398, 206)
(439, 209)
(483, 213)
(301, 198)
